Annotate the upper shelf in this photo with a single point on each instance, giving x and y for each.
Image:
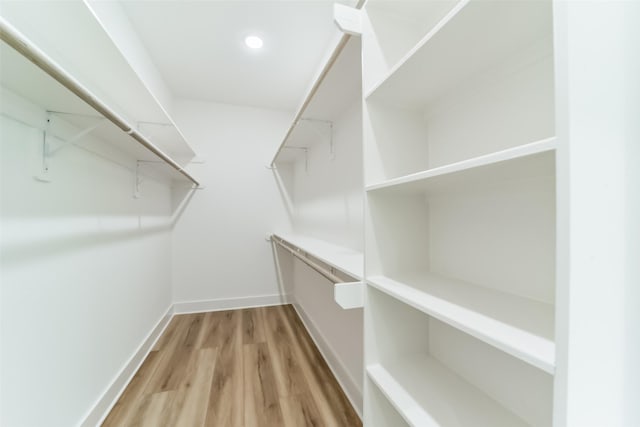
(41, 93)
(346, 260)
(96, 62)
(336, 88)
(396, 26)
(469, 40)
(521, 162)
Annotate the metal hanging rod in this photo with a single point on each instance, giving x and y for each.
(316, 85)
(26, 48)
(317, 267)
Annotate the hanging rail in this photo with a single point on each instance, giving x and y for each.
(317, 267)
(316, 85)
(26, 48)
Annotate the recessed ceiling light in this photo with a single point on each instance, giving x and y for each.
(254, 42)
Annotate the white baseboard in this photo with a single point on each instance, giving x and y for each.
(229, 303)
(101, 408)
(350, 387)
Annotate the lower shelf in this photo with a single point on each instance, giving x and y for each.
(437, 397)
(518, 326)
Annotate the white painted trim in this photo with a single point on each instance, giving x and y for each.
(185, 307)
(103, 405)
(348, 384)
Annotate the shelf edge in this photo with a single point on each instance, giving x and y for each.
(519, 152)
(543, 359)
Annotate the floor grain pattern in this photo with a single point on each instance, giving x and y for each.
(254, 367)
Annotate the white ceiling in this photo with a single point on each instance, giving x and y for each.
(198, 47)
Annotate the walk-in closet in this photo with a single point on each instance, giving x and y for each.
(379, 213)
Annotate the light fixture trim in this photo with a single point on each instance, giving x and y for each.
(253, 42)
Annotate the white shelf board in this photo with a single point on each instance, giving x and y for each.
(468, 40)
(107, 74)
(518, 326)
(346, 260)
(529, 160)
(22, 80)
(339, 89)
(427, 394)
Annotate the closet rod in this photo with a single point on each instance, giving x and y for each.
(26, 48)
(316, 85)
(323, 271)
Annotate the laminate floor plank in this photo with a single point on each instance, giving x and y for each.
(261, 399)
(313, 375)
(252, 326)
(226, 388)
(153, 410)
(174, 329)
(122, 410)
(219, 328)
(289, 376)
(170, 371)
(194, 390)
(300, 411)
(236, 368)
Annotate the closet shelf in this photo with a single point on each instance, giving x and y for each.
(518, 326)
(32, 75)
(529, 160)
(467, 41)
(348, 261)
(335, 89)
(103, 66)
(427, 394)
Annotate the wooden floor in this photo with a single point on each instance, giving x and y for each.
(252, 367)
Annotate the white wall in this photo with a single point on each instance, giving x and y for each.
(219, 247)
(85, 272)
(328, 193)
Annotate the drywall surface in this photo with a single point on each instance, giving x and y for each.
(85, 272)
(327, 189)
(219, 248)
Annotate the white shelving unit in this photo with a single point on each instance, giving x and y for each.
(460, 212)
(97, 63)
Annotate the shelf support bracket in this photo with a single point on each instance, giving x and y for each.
(329, 125)
(70, 141)
(48, 148)
(41, 159)
(138, 179)
(348, 19)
